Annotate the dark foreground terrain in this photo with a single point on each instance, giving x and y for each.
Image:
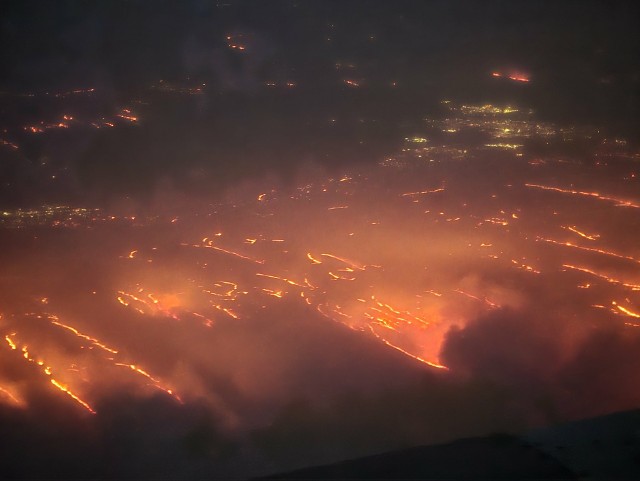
(607, 447)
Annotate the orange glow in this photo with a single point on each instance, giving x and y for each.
(458, 239)
(491, 304)
(140, 371)
(313, 259)
(345, 261)
(12, 344)
(209, 245)
(618, 202)
(125, 114)
(288, 281)
(14, 400)
(437, 365)
(512, 75)
(590, 249)
(67, 391)
(582, 234)
(525, 267)
(422, 192)
(626, 311)
(611, 280)
(93, 341)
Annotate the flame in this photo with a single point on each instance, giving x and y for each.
(73, 396)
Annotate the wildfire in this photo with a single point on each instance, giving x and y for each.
(618, 202)
(70, 393)
(454, 247)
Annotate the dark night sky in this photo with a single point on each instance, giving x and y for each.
(132, 129)
(583, 58)
(128, 41)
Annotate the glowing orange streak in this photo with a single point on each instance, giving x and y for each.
(382, 322)
(60, 386)
(206, 321)
(628, 312)
(293, 283)
(497, 221)
(236, 254)
(339, 312)
(133, 297)
(229, 312)
(135, 368)
(590, 249)
(319, 308)
(619, 202)
(375, 309)
(156, 382)
(94, 341)
(224, 296)
(417, 358)
(313, 259)
(132, 254)
(423, 321)
(396, 320)
(388, 307)
(485, 300)
(397, 313)
(336, 277)
(581, 234)
(308, 284)
(525, 267)
(346, 261)
(423, 192)
(11, 397)
(230, 294)
(634, 287)
(67, 391)
(273, 293)
(130, 118)
(12, 344)
(169, 392)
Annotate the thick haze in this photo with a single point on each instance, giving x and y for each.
(282, 99)
(238, 238)
(424, 299)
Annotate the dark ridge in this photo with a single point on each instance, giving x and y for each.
(499, 456)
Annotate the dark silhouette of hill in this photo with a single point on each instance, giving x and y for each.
(494, 457)
(604, 447)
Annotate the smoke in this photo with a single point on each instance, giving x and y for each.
(562, 368)
(291, 321)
